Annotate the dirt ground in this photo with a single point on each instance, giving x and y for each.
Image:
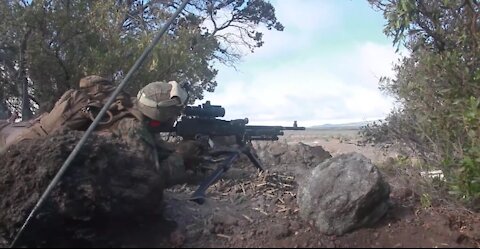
(260, 209)
(248, 208)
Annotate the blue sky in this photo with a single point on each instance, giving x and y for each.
(323, 68)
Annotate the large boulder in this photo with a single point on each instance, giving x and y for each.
(344, 193)
(106, 189)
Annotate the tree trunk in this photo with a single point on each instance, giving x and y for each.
(22, 77)
(26, 110)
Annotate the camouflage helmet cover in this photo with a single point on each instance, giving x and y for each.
(161, 100)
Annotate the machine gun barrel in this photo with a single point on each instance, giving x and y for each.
(261, 132)
(281, 128)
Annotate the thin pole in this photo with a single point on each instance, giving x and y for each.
(95, 122)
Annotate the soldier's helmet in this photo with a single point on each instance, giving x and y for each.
(93, 80)
(161, 101)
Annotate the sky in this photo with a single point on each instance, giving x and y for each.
(323, 68)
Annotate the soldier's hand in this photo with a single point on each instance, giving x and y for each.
(191, 151)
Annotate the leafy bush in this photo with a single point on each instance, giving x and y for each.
(437, 87)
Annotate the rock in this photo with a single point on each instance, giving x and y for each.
(106, 188)
(343, 193)
(279, 149)
(277, 153)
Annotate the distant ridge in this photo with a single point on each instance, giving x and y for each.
(355, 125)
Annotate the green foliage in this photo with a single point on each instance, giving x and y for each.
(66, 40)
(436, 87)
(375, 133)
(426, 201)
(467, 176)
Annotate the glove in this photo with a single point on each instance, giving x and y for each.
(191, 151)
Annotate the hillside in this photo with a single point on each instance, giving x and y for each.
(344, 126)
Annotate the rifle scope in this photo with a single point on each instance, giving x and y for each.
(205, 111)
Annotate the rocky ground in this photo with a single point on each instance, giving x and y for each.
(260, 209)
(248, 208)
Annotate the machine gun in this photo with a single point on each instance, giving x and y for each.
(202, 123)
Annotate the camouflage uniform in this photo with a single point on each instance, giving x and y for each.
(69, 112)
(125, 119)
(72, 111)
(159, 102)
(145, 144)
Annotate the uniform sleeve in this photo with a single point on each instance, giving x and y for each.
(144, 144)
(134, 135)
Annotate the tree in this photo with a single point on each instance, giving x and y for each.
(437, 86)
(13, 53)
(48, 45)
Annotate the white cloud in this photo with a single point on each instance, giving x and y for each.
(368, 63)
(307, 16)
(315, 91)
(303, 20)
